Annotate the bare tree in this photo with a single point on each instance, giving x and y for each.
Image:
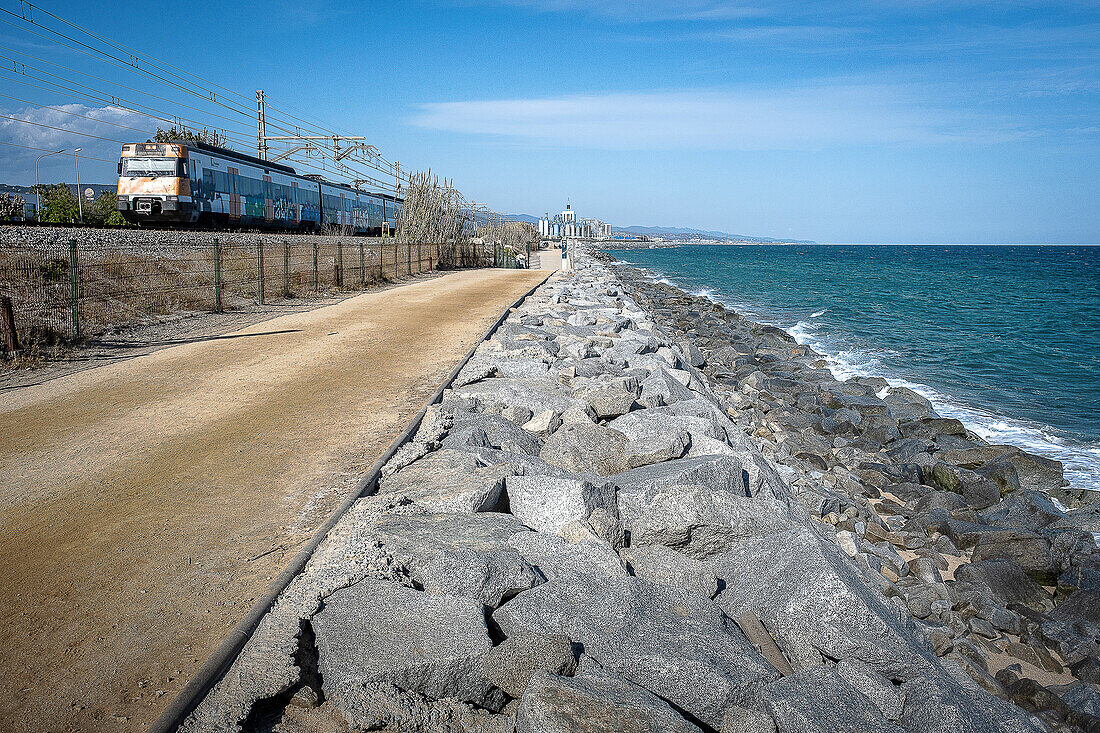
(432, 212)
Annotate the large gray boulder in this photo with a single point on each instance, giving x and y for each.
(493, 395)
(447, 481)
(1036, 472)
(637, 486)
(479, 430)
(942, 705)
(548, 503)
(662, 388)
(557, 557)
(594, 704)
(1084, 699)
(377, 631)
(382, 706)
(459, 554)
(609, 399)
(820, 700)
(655, 436)
(510, 664)
(1007, 583)
(660, 564)
(585, 447)
(642, 424)
(883, 693)
(701, 522)
(811, 599)
(905, 404)
(1027, 509)
(676, 644)
(1029, 550)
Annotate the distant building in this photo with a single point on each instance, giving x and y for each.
(566, 225)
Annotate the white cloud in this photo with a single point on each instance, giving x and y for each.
(69, 136)
(793, 119)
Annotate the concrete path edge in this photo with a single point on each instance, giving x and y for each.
(216, 665)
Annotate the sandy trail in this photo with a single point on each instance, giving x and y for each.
(144, 505)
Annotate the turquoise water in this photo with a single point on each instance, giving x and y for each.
(1007, 339)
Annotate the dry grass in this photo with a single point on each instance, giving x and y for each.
(121, 286)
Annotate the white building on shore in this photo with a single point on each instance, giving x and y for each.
(567, 225)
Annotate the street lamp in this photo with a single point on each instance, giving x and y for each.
(38, 185)
(79, 201)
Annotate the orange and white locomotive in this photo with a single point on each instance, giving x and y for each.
(183, 183)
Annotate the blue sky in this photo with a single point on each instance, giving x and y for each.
(909, 121)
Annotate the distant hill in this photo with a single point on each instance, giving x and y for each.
(521, 217)
(687, 233)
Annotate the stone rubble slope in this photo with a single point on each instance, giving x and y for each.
(581, 537)
(961, 534)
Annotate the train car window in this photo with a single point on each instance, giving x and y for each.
(150, 167)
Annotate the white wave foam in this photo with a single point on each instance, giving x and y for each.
(1081, 460)
(819, 313)
(801, 332)
(706, 293)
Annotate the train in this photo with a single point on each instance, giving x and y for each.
(188, 183)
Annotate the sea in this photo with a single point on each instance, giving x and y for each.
(1004, 338)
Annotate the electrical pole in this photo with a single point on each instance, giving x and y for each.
(261, 126)
(396, 178)
(79, 195)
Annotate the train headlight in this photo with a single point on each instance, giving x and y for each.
(172, 198)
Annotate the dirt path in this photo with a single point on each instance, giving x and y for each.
(146, 504)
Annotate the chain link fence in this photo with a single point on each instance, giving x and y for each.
(60, 293)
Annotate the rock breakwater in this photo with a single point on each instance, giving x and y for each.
(594, 531)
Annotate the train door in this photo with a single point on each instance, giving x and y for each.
(234, 195)
(269, 204)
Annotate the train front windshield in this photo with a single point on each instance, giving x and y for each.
(151, 167)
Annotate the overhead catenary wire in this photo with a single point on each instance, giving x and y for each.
(73, 114)
(203, 93)
(350, 169)
(47, 150)
(134, 65)
(129, 106)
(272, 121)
(63, 129)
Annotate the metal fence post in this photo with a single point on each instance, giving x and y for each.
(362, 267)
(286, 269)
(260, 271)
(217, 276)
(338, 266)
(316, 283)
(74, 287)
(7, 320)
